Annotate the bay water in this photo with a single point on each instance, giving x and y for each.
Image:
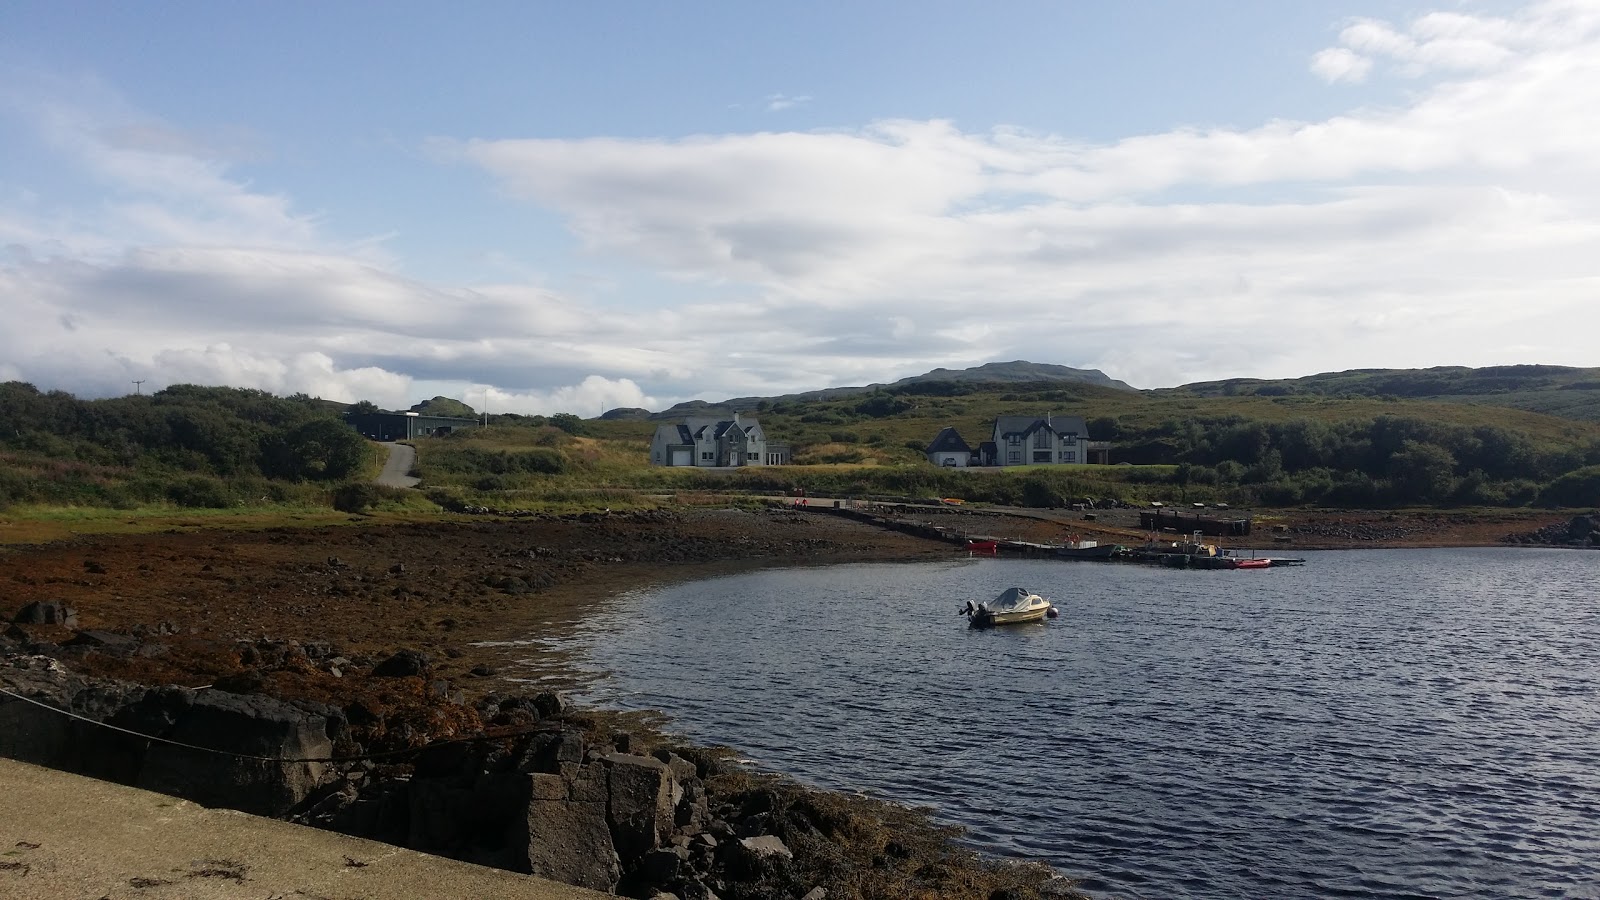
(1398, 723)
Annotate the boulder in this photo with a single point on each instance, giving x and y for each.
(762, 858)
(250, 725)
(641, 811)
(47, 612)
(564, 835)
(31, 733)
(108, 642)
(404, 664)
(554, 753)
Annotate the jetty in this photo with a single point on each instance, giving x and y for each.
(1153, 549)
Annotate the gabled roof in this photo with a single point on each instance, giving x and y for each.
(697, 428)
(948, 441)
(1025, 425)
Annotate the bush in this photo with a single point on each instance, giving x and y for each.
(198, 492)
(1574, 489)
(359, 497)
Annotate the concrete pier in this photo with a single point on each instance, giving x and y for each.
(64, 837)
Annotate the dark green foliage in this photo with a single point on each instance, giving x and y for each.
(199, 492)
(567, 422)
(318, 450)
(1580, 488)
(882, 405)
(358, 497)
(195, 446)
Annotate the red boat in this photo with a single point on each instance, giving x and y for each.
(1251, 563)
(983, 546)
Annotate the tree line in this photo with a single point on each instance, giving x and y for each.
(195, 445)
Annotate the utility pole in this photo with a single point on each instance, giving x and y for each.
(137, 386)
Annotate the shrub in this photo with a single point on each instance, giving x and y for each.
(358, 497)
(198, 492)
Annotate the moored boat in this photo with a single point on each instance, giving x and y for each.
(1014, 606)
(1081, 549)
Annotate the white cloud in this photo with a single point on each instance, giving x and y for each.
(777, 102)
(1456, 227)
(1341, 64)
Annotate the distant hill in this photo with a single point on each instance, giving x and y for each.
(625, 412)
(1565, 391)
(999, 373)
(1015, 371)
(445, 406)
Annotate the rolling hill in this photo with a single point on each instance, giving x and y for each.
(1564, 391)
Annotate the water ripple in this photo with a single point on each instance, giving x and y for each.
(1376, 724)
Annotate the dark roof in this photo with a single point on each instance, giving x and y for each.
(1025, 425)
(948, 441)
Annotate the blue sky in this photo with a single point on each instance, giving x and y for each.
(552, 207)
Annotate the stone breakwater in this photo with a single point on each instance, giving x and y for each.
(515, 781)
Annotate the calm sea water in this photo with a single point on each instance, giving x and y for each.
(1420, 723)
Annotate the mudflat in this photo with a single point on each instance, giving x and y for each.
(363, 591)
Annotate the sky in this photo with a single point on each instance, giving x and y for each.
(543, 207)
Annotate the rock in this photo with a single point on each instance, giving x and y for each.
(816, 893)
(33, 734)
(564, 835)
(405, 664)
(761, 858)
(243, 724)
(766, 846)
(556, 753)
(105, 641)
(660, 866)
(484, 671)
(550, 704)
(47, 612)
(641, 803)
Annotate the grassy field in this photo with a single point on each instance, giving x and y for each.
(1330, 440)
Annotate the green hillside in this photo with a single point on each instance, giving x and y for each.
(1308, 448)
(1557, 390)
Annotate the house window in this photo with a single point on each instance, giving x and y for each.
(1069, 456)
(752, 456)
(1014, 440)
(1041, 456)
(708, 456)
(1014, 457)
(1041, 440)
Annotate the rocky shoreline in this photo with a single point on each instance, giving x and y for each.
(286, 643)
(281, 645)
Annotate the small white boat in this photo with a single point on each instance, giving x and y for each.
(1012, 607)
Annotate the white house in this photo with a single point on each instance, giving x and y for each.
(716, 443)
(1027, 440)
(949, 450)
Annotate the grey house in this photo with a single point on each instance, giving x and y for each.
(716, 443)
(1028, 440)
(949, 450)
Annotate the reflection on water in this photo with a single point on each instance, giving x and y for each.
(1377, 723)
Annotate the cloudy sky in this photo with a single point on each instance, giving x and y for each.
(549, 207)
